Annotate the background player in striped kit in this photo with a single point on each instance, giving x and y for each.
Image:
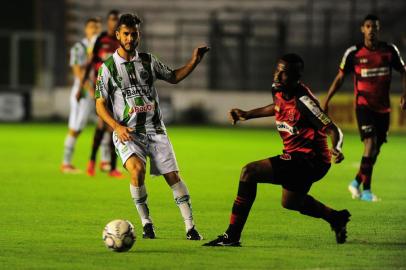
(371, 62)
(80, 99)
(105, 45)
(126, 99)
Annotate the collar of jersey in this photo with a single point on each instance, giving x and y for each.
(119, 60)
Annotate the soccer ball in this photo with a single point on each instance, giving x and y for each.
(118, 235)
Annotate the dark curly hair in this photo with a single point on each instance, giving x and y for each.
(129, 20)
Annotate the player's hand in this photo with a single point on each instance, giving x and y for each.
(337, 155)
(198, 54)
(124, 133)
(403, 102)
(235, 115)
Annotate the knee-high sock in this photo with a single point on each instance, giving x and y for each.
(139, 195)
(364, 174)
(105, 147)
(69, 144)
(314, 208)
(97, 138)
(113, 154)
(182, 199)
(247, 192)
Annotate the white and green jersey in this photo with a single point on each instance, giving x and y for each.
(129, 88)
(79, 55)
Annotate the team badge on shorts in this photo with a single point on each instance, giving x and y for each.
(285, 156)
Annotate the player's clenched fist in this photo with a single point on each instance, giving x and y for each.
(338, 156)
(124, 133)
(198, 53)
(236, 115)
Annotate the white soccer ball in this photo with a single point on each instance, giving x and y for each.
(118, 235)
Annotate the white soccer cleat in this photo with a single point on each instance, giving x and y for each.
(353, 188)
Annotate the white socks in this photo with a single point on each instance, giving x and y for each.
(180, 194)
(182, 199)
(70, 142)
(105, 147)
(139, 195)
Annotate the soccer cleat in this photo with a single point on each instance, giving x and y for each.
(193, 234)
(69, 169)
(148, 231)
(339, 225)
(104, 166)
(368, 196)
(223, 241)
(353, 188)
(90, 171)
(116, 174)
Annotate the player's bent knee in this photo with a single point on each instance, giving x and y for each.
(248, 172)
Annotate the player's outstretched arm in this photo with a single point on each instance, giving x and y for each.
(183, 72)
(123, 132)
(236, 115)
(337, 137)
(334, 87)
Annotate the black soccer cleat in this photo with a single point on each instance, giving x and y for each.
(193, 234)
(148, 231)
(223, 241)
(339, 225)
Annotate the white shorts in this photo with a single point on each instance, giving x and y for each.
(157, 147)
(79, 111)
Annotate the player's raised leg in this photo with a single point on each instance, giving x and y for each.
(307, 205)
(136, 167)
(182, 200)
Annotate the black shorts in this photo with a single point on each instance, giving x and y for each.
(371, 124)
(297, 172)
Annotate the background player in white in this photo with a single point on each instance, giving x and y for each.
(80, 98)
(125, 84)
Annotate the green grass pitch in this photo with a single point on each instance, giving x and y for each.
(54, 221)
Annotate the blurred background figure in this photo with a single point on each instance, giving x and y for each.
(81, 99)
(105, 45)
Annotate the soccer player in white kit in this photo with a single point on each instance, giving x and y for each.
(127, 101)
(81, 101)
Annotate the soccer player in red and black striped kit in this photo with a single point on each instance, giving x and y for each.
(105, 45)
(303, 127)
(371, 63)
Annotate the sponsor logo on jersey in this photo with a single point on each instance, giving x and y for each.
(137, 90)
(374, 72)
(314, 108)
(142, 109)
(285, 127)
(363, 60)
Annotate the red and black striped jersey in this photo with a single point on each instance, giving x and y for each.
(372, 71)
(104, 47)
(301, 123)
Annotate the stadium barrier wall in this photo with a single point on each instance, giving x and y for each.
(215, 105)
